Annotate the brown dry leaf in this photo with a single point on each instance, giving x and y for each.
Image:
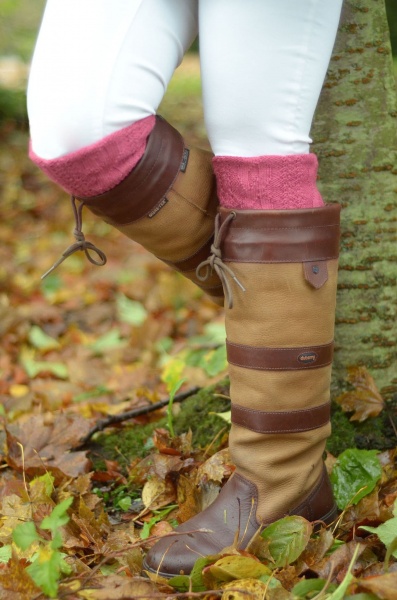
(338, 561)
(179, 445)
(365, 400)
(157, 493)
(14, 511)
(15, 583)
(120, 588)
(366, 511)
(46, 447)
(187, 499)
(384, 586)
(317, 547)
(93, 528)
(216, 468)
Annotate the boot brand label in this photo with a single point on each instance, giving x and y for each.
(157, 208)
(307, 358)
(185, 160)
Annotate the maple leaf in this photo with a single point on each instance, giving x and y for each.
(46, 447)
(364, 400)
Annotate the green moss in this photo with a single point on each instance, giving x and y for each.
(196, 413)
(373, 434)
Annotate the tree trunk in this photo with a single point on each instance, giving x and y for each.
(355, 138)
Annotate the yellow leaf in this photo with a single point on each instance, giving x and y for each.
(243, 589)
(18, 390)
(228, 568)
(152, 490)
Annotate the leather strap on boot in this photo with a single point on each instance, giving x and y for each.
(167, 203)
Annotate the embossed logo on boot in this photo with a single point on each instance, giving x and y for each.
(157, 208)
(307, 358)
(185, 160)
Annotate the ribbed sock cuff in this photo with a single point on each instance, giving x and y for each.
(267, 182)
(97, 168)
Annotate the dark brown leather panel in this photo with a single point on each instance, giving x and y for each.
(148, 182)
(279, 359)
(190, 264)
(233, 511)
(319, 502)
(270, 236)
(293, 421)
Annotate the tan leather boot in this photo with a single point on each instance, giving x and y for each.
(280, 327)
(167, 203)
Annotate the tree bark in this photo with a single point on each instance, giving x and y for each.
(355, 139)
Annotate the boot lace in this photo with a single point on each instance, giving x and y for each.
(215, 263)
(81, 243)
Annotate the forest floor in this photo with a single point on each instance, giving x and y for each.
(89, 343)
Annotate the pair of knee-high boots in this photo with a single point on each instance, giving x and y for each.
(278, 272)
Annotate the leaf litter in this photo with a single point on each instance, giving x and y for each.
(87, 343)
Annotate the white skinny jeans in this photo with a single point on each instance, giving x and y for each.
(101, 65)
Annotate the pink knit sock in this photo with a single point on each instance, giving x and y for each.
(267, 182)
(97, 168)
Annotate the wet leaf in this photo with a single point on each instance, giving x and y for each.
(355, 475)
(365, 400)
(286, 539)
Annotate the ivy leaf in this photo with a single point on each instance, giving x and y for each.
(46, 570)
(286, 539)
(24, 535)
(5, 553)
(131, 311)
(125, 503)
(58, 516)
(306, 586)
(365, 400)
(387, 533)
(108, 341)
(215, 361)
(355, 470)
(40, 340)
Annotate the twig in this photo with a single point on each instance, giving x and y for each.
(136, 412)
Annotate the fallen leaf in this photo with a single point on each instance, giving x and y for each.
(46, 447)
(216, 468)
(138, 587)
(233, 567)
(15, 583)
(384, 586)
(364, 400)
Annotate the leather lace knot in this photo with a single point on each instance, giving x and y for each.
(215, 263)
(81, 243)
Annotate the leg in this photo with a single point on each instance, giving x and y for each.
(98, 76)
(98, 68)
(263, 66)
